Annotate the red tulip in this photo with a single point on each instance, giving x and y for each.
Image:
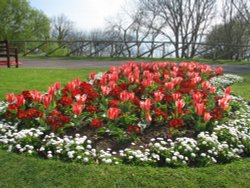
(20, 100)
(173, 74)
(77, 82)
(196, 80)
(71, 86)
(51, 90)
(158, 96)
(114, 77)
(145, 105)
(104, 79)
(166, 77)
(47, 100)
(113, 113)
(77, 109)
(80, 99)
(224, 102)
(199, 109)
(131, 78)
(105, 90)
(176, 123)
(180, 103)
(207, 116)
(57, 85)
(206, 85)
(92, 75)
(147, 82)
(197, 96)
(218, 71)
(36, 95)
(148, 117)
(10, 98)
(212, 89)
(169, 85)
(176, 96)
(177, 80)
(112, 84)
(125, 96)
(227, 91)
(96, 123)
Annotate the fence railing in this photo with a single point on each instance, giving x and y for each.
(133, 49)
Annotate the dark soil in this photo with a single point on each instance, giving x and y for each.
(106, 141)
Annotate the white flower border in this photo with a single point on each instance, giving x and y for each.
(228, 142)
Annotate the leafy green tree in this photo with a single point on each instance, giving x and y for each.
(20, 21)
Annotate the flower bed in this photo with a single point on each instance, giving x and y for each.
(157, 113)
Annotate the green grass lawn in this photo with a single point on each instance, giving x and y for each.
(21, 171)
(243, 89)
(17, 80)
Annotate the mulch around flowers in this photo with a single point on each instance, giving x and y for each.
(103, 142)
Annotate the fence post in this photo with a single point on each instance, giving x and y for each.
(163, 50)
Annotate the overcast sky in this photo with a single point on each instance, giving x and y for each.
(86, 14)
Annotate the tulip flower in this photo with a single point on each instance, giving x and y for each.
(227, 91)
(57, 85)
(71, 86)
(112, 84)
(207, 116)
(148, 117)
(145, 105)
(177, 80)
(206, 85)
(218, 70)
(147, 82)
(77, 82)
(80, 99)
(77, 109)
(199, 109)
(10, 98)
(20, 100)
(113, 113)
(197, 96)
(47, 100)
(176, 96)
(104, 79)
(169, 85)
(51, 90)
(131, 78)
(212, 89)
(180, 103)
(224, 102)
(92, 75)
(125, 96)
(166, 77)
(196, 80)
(158, 96)
(105, 90)
(36, 95)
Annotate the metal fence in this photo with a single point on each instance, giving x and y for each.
(133, 49)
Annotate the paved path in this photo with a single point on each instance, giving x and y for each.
(81, 64)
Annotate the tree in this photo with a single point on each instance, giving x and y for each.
(232, 34)
(20, 21)
(134, 27)
(182, 22)
(61, 27)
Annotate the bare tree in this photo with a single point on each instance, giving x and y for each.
(232, 33)
(61, 27)
(242, 7)
(135, 27)
(182, 22)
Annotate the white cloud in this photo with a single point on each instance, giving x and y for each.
(86, 14)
